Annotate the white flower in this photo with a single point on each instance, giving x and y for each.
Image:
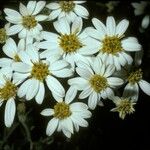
(124, 105)
(134, 82)
(68, 9)
(26, 21)
(36, 71)
(139, 7)
(70, 43)
(112, 48)
(67, 115)
(95, 81)
(4, 34)
(12, 51)
(8, 92)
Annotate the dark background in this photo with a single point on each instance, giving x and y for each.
(106, 130)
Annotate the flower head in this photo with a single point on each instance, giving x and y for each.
(26, 21)
(68, 9)
(67, 115)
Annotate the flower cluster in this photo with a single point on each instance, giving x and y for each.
(96, 62)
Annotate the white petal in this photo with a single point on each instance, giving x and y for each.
(78, 107)
(78, 82)
(23, 10)
(41, 93)
(64, 73)
(62, 26)
(77, 25)
(67, 125)
(70, 94)
(14, 29)
(19, 77)
(52, 37)
(109, 70)
(145, 21)
(4, 62)
(21, 67)
(24, 88)
(51, 127)
(33, 53)
(53, 5)
(32, 89)
(12, 13)
(54, 14)
(92, 101)
(85, 93)
(10, 48)
(81, 11)
(145, 86)
(22, 33)
(47, 112)
(79, 121)
(10, 110)
(83, 73)
(97, 64)
(58, 65)
(21, 44)
(39, 6)
(25, 58)
(55, 86)
(66, 133)
(114, 81)
(129, 45)
(122, 27)
(99, 26)
(31, 6)
(41, 17)
(111, 26)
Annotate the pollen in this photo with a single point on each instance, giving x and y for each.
(8, 90)
(61, 110)
(70, 43)
(3, 35)
(135, 77)
(40, 71)
(29, 22)
(111, 45)
(125, 107)
(67, 6)
(16, 58)
(98, 83)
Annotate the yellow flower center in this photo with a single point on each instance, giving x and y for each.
(8, 90)
(135, 77)
(70, 43)
(61, 110)
(98, 83)
(29, 22)
(16, 58)
(125, 107)
(3, 35)
(40, 71)
(111, 45)
(67, 6)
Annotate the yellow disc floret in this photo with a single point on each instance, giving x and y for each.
(98, 83)
(67, 6)
(61, 110)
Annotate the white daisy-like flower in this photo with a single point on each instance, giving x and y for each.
(4, 34)
(67, 115)
(71, 43)
(26, 21)
(112, 48)
(8, 92)
(11, 50)
(95, 81)
(68, 9)
(134, 82)
(36, 71)
(124, 106)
